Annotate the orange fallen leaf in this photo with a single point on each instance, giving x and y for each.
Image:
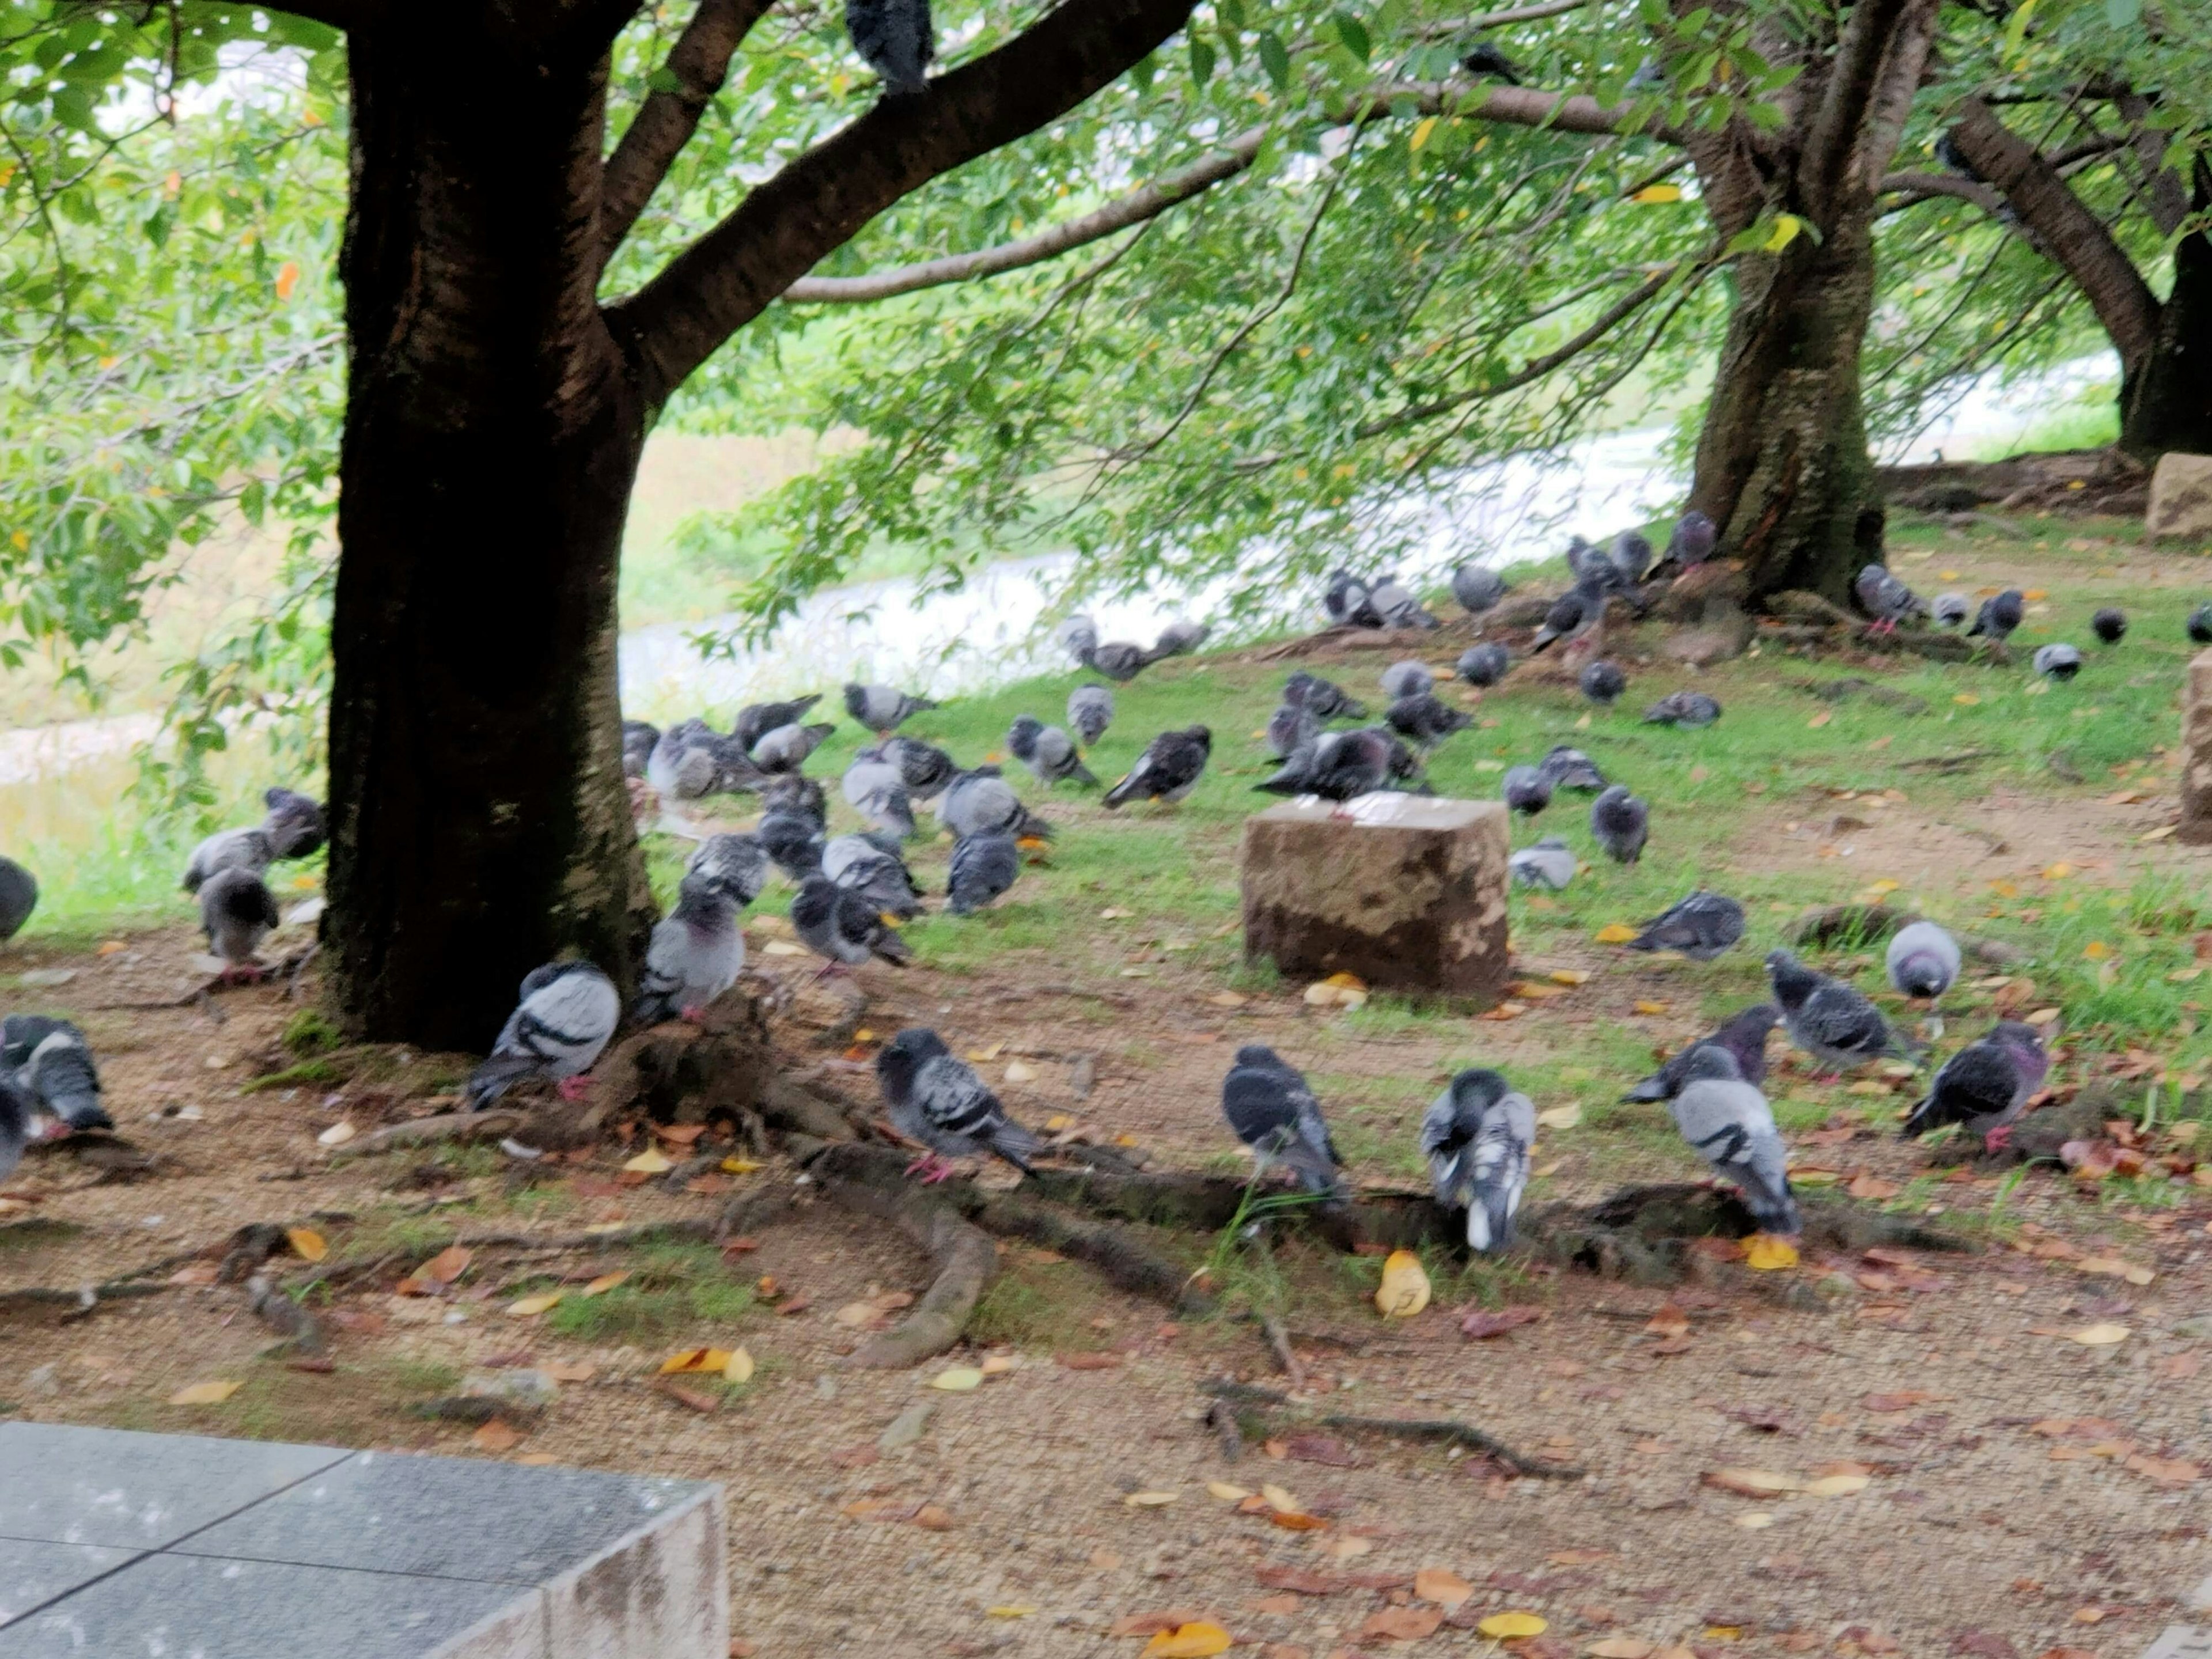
(1615, 932)
(1447, 1589)
(443, 1268)
(931, 1517)
(1297, 1521)
(495, 1436)
(695, 1359)
(1198, 1640)
(306, 1243)
(604, 1283)
(1402, 1624)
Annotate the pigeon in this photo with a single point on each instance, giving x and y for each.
(1593, 566)
(1167, 770)
(875, 872)
(1602, 682)
(1179, 639)
(249, 850)
(19, 896)
(1477, 587)
(1290, 728)
(1631, 555)
(1476, 1137)
(2000, 614)
(1693, 540)
(1621, 823)
(1951, 610)
(1076, 635)
(926, 769)
(1324, 700)
(566, 1013)
(695, 954)
(881, 708)
(1089, 711)
(793, 841)
(1886, 599)
(49, 1061)
(937, 1101)
(1923, 961)
(1550, 865)
(1407, 679)
(1728, 1124)
(1526, 790)
(876, 790)
(1399, 605)
(1743, 1037)
(1117, 659)
(2110, 625)
(2200, 624)
(1571, 613)
(1986, 1086)
(756, 720)
(983, 867)
(1487, 59)
(738, 864)
(793, 792)
(236, 912)
(1484, 664)
(1701, 926)
(896, 38)
(1271, 1110)
(15, 1126)
(296, 825)
(1828, 1019)
(785, 748)
(1048, 752)
(1425, 719)
(1571, 768)
(978, 802)
(1339, 766)
(1683, 708)
(1347, 603)
(2060, 661)
(840, 926)
(691, 759)
(638, 738)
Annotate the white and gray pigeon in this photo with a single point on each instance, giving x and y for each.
(1683, 708)
(926, 768)
(2000, 614)
(1602, 683)
(236, 914)
(896, 38)
(19, 896)
(1701, 926)
(1743, 1037)
(1341, 766)
(737, 862)
(882, 708)
(1425, 719)
(844, 929)
(1399, 605)
(1728, 1124)
(1573, 612)
(1828, 1019)
(876, 790)
(1484, 664)
(695, 953)
(1167, 770)
(1324, 700)
(1271, 1110)
(979, 802)
(794, 791)
(1407, 678)
(1923, 961)
(875, 872)
(1290, 728)
(935, 1100)
(1180, 638)
(691, 759)
(1477, 587)
(1089, 711)
(49, 1061)
(1986, 1086)
(2058, 661)
(756, 720)
(1951, 610)
(1348, 603)
(1119, 660)
(1621, 822)
(1886, 599)
(1077, 634)
(1550, 865)
(983, 867)
(1694, 540)
(1476, 1136)
(1048, 752)
(247, 849)
(1594, 567)
(1526, 790)
(1571, 768)
(794, 840)
(785, 748)
(294, 824)
(561, 1024)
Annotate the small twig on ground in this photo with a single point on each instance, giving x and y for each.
(431, 1131)
(1402, 1428)
(1279, 1339)
(273, 1307)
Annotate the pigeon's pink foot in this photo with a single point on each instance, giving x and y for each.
(944, 1170)
(926, 1161)
(691, 1015)
(1829, 1078)
(573, 1088)
(1997, 1139)
(242, 973)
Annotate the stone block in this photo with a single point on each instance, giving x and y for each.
(76, 1486)
(2181, 1642)
(2196, 826)
(32, 1574)
(2180, 496)
(1405, 891)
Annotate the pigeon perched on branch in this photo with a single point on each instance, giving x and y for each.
(983, 867)
(695, 953)
(882, 708)
(1048, 752)
(1828, 1019)
(1621, 822)
(566, 1013)
(1550, 865)
(896, 38)
(1089, 711)
(49, 1061)
(1167, 770)
(1476, 1136)
(1486, 59)
(1728, 1124)
(843, 928)
(1701, 926)
(1742, 1036)
(936, 1100)
(1986, 1086)
(1272, 1111)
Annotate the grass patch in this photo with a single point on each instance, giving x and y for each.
(672, 1290)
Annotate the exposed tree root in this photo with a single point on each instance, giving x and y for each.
(1399, 1428)
(288, 1318)
(494, 1123)
(962, 1255)
(1874, 922)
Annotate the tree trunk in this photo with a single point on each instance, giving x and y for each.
(2168, 404)
(479, 820)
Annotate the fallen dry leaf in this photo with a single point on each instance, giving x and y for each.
(1620, 1647)
(604, 1282)
(696, 1360)
(693, 1399)
(1505, 1626)
(1104, 1359)
(1402, 1624)
(649, 1162)
(204, 1394)
(1227, 1494)
(495, 1436)
(1768, 1254)
(1836, 1485)
(738, 1367)
(571, 1370)
(2164, 1471)
(1483, 1323)
(959, 1379)
(1196, 1640)
(306, 1243)
(1404, 1291)
(443, 1268)
(1447, 1589)
(2100, 1336)
(530, 1305)
(1669, 1321)
(1148, 1500)
(1614, 933)
(1752, 1483)
(1297, 1521)
(1561, 1117)
(932, 1518)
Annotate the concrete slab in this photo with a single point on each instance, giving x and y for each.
(73, 1486)
(2181, 1642)
(34, 1574)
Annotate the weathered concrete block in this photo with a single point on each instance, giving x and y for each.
(2180, 496)
(2196, 826)
(1407, 891)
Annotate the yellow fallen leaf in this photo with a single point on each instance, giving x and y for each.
(1227, 1494)
(2058, 872)
(1149, 1500)
(649, 1161)
(1571, 976)
(205, 1394)
(1648, 1007)
(1506, 1626)
(1614, 933)
(695, 1359)
(2100, 1336)
(1967, 698)
(1008, 1612)
(960, 1379)
(306, 1243)
(738, 1367)
(738, 1165)
(1278, 1497)
(1836, 1485)
(1346, 981)
(1654, 193)
(530, 1305)
(1561, 1117)
(1343, 1549)
(2096, 950)
(1404, 1291)
(1197, 1640)
(864, 1035)
(1885, 885)
(1769, 1255)
(1446, 1589)
(991, 1053)
(998, 1364)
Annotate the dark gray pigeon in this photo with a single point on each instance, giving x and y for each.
(1602, 682)
(1951, 609)
(1571, 613)
(1339, 766)
(1693, 540)
(1526, 790)
(983, 867)
(19, 896)
(1986, 1086)
(2200, 624)
(896, 38)
(1886, 599)
(1742, 1036)
(1631, 555)
(738, 864)
(1048, 752)
(294, 825)
(924, 768)
(1476, 1136)
(566, 1013)
(1621, 822)
(756, 720)
(1477, 587)
(691, 759)
(247, 849)
(1117, 659)
(1167, 770)
(1701, 926)
(979, 802)
(2110, 625)
(1347, 602)
(1076, 635)
(1407, 678)
(1923, 961)
(1484, 664)
(876, 791)
(1683, 708)
(1089, 711)
(1425, 720)
(695, 953)
(882, 708)
(15, 1111)
(1593, 566)
(1828, 1019)
(840, 927)
(2059, 661)
(1729, 1124)
(1550, 865)
(236, 913)
(1399, 605)
(794, 794)
(936, 1101)
(49, 1061)
(1571, 768)
(785, 749)
(793, 841)
(1290, 728)
(1324, 700)
(2000, 614)
(638, 738)
(863, 865)
(1272, 1111)
(1179, 639)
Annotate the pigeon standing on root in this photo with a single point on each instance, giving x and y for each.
(843, 928)
(1728, 1124)
(983, 867)
(862, 865)
(236, 914)
(1526, 790)
(1476, 1137)
(1694, 539)
(49, 1061)
(1886, 599)
(1089, 711)
(936, 1100)
(1407, 679)
(1324, 700)
(1347, 605)
(1272, 1111)
(1477, 587)
(882, 708)
(1830, 1020)
(1986, 1086)
(1573, 614)
(2058, 661)
(247, 849)
(1484, 665)
(1167, 770)
(1701, 926)
(1048, 752)
(1550, 865)
(1683, 708)
(1621, 822)
(695, 953)
(566, 1013)
(1743, 1037)
(896, 38)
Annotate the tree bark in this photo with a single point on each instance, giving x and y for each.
(2168, 401)
(479, 820)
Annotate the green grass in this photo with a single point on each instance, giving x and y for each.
(673, 1290)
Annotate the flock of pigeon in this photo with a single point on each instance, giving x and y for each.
(1890, 603)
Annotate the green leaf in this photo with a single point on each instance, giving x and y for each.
(1275, 59)
(1202, 59)
(2123, 14)
(1353, 34)
(664, 79)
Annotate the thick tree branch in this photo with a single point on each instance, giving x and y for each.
(1855, 79)
(698, 64)
(2164, 192)
(1923, 186)
(822, 199)
(1518, 107)
(1904, 66)
(1498, 19)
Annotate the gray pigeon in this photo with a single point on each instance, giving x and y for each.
(1526, 790)
(756, 720)
(896, 38)
(1728, 1124)
(1951, 609)
(1477, 587)
(1399, 605)
(1117, 659)
(1484, 664)
(1574, 611)
(1986, 1086)
(2060, 661)
(1290, 728)
(229, 849)
(882, 709)
(1683, 708)
(737, 864)
(1167, 770)
(2110, 625)
(793, 841)
(1089, 711)
(1828, 1019)
(1571, 768)
(1407, 679)
(864, 866)
(638, 738)
(2000, 614)
(49, 1061)
(1886, 599)
(19, 896)
(840, 926)
(978, 802)
(1076, 635)
(236, 913)
(1048, 752)
(926, 769)
(695, 953)
(983, 867)
(1348, 603)
(1594, 567)
(1621, 823)
(1631, 555)
(1342, 766)
(1324, 700)
(1701, 926)
(1602, 682)
(1272, 1111)
(793, 793)
(1923, 960)
(785, 749)
(691, 759)
(1743, 1037)
(1550, 865)
(1476, 1136)
(936, 1100)
(876, 790)
(1425, 719)
(2199, 625)
(566, 1013)
(1179, 639)
(1693, 540)
(294, 825)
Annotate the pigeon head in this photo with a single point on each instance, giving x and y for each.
(1744, 1035)
(1200, 735)
(1259, 1054)
(1792, 980)
(1708, 1063)
(1478, 1089)
(1022, 735)
(716, 880)
(2025, 1043)
(906, 1054)
(539, 978)
(2109, 625)
(1922, 975)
